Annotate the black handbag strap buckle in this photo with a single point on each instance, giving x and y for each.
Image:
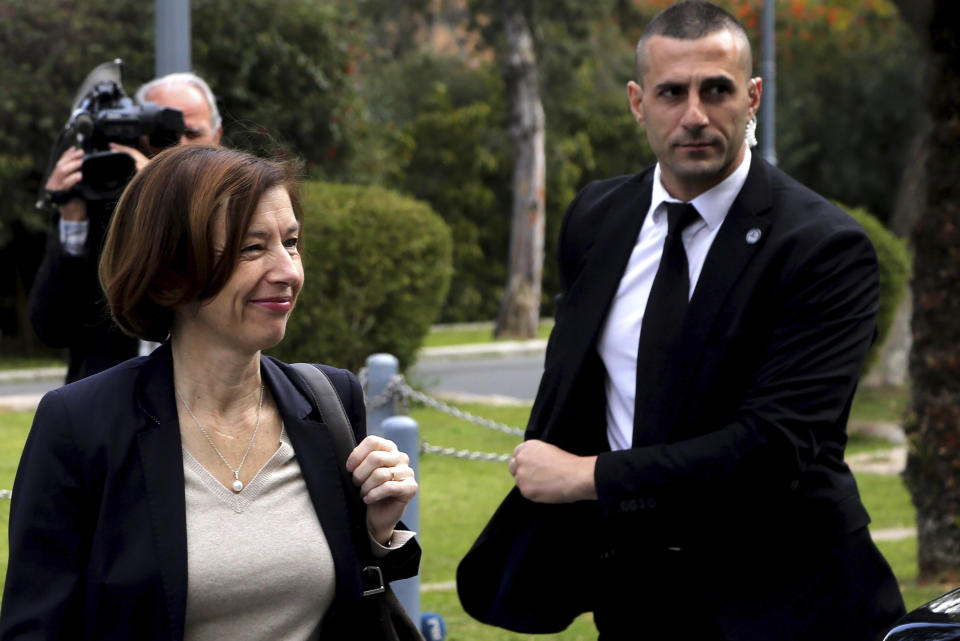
(372, 581)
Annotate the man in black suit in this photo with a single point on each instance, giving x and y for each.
(683, 475)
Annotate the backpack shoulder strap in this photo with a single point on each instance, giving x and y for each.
(326, 399)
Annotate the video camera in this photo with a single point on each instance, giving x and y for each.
(102, 113)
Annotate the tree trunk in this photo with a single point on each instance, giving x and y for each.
(912, 189)
(520, 309)
(933, 429)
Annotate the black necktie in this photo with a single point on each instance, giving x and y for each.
(662, 322)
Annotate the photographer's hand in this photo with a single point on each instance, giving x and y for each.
(64, 176)
(138, 158)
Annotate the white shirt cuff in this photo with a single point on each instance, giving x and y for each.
(73, 235)
(398, 540)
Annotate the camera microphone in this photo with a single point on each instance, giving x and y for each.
(82, 126)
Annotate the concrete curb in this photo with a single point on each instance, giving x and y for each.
(33, 374)
(496, 400)
(893, 534)
(20, 402)
(500, 348)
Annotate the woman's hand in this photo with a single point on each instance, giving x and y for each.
(386, 483)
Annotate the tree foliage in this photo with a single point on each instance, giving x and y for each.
(377, 268)
(458, 161)
(451, 107)
(285, 77)
(849, 90)
(894, 274)
(839, 124)
(284, 74)
(406, 93)
(47, 47)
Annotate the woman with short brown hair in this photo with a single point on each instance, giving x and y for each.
(194, 493)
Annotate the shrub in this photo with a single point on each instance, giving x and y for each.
(894, 261)
(377, 271)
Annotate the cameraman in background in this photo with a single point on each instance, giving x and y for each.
(67, 307)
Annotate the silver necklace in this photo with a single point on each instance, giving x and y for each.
(237, 483)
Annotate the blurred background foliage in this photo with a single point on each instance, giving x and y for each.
(377, 264)
(405, 94)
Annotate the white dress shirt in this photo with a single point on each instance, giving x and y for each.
(73, 235)
(620, 334)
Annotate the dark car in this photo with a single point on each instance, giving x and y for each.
(938, 620)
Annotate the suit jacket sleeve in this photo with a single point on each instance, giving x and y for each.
(792, 409)
(49, 532)
(66, 302)
(62, 302)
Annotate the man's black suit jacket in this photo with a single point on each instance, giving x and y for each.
(750, 452)
(67, 306)
(98, 535)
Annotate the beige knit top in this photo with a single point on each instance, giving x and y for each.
(258, 563)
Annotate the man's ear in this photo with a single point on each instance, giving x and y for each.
(635, 97)
(754, 90)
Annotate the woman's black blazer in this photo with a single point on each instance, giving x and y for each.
(98, 540)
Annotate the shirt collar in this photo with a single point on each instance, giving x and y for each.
(712, 204)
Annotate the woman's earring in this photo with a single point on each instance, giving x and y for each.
(751, 137)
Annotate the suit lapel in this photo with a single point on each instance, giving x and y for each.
(740, 237)
(316, 456)
(161, 461)
(588, 300)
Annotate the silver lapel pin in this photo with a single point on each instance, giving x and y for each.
(753, 236)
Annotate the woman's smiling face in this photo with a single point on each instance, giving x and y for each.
(250, 313)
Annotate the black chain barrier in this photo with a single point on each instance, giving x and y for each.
(398, 389)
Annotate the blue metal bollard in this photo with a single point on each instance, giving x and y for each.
(403, 431)
(380, 369)
(433, 627)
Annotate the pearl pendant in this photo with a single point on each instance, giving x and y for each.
(237, 485)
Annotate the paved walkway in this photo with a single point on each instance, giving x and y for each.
(890, 461)
(14, 399)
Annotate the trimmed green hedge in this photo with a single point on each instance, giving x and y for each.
(377, 266)
(894, 260)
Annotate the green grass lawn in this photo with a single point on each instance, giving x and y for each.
(469, 333)
(887, 404)
(21, 362)
(13, 434)
(457, 498)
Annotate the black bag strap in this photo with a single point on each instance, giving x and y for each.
(327, 401)
(330, 406)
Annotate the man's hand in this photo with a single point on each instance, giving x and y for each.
(65, 175)
(386, 483)
(546, 474)
(138, 158)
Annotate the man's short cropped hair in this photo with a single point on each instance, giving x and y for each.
(188, 79)
(161, 249)
(689, 20)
